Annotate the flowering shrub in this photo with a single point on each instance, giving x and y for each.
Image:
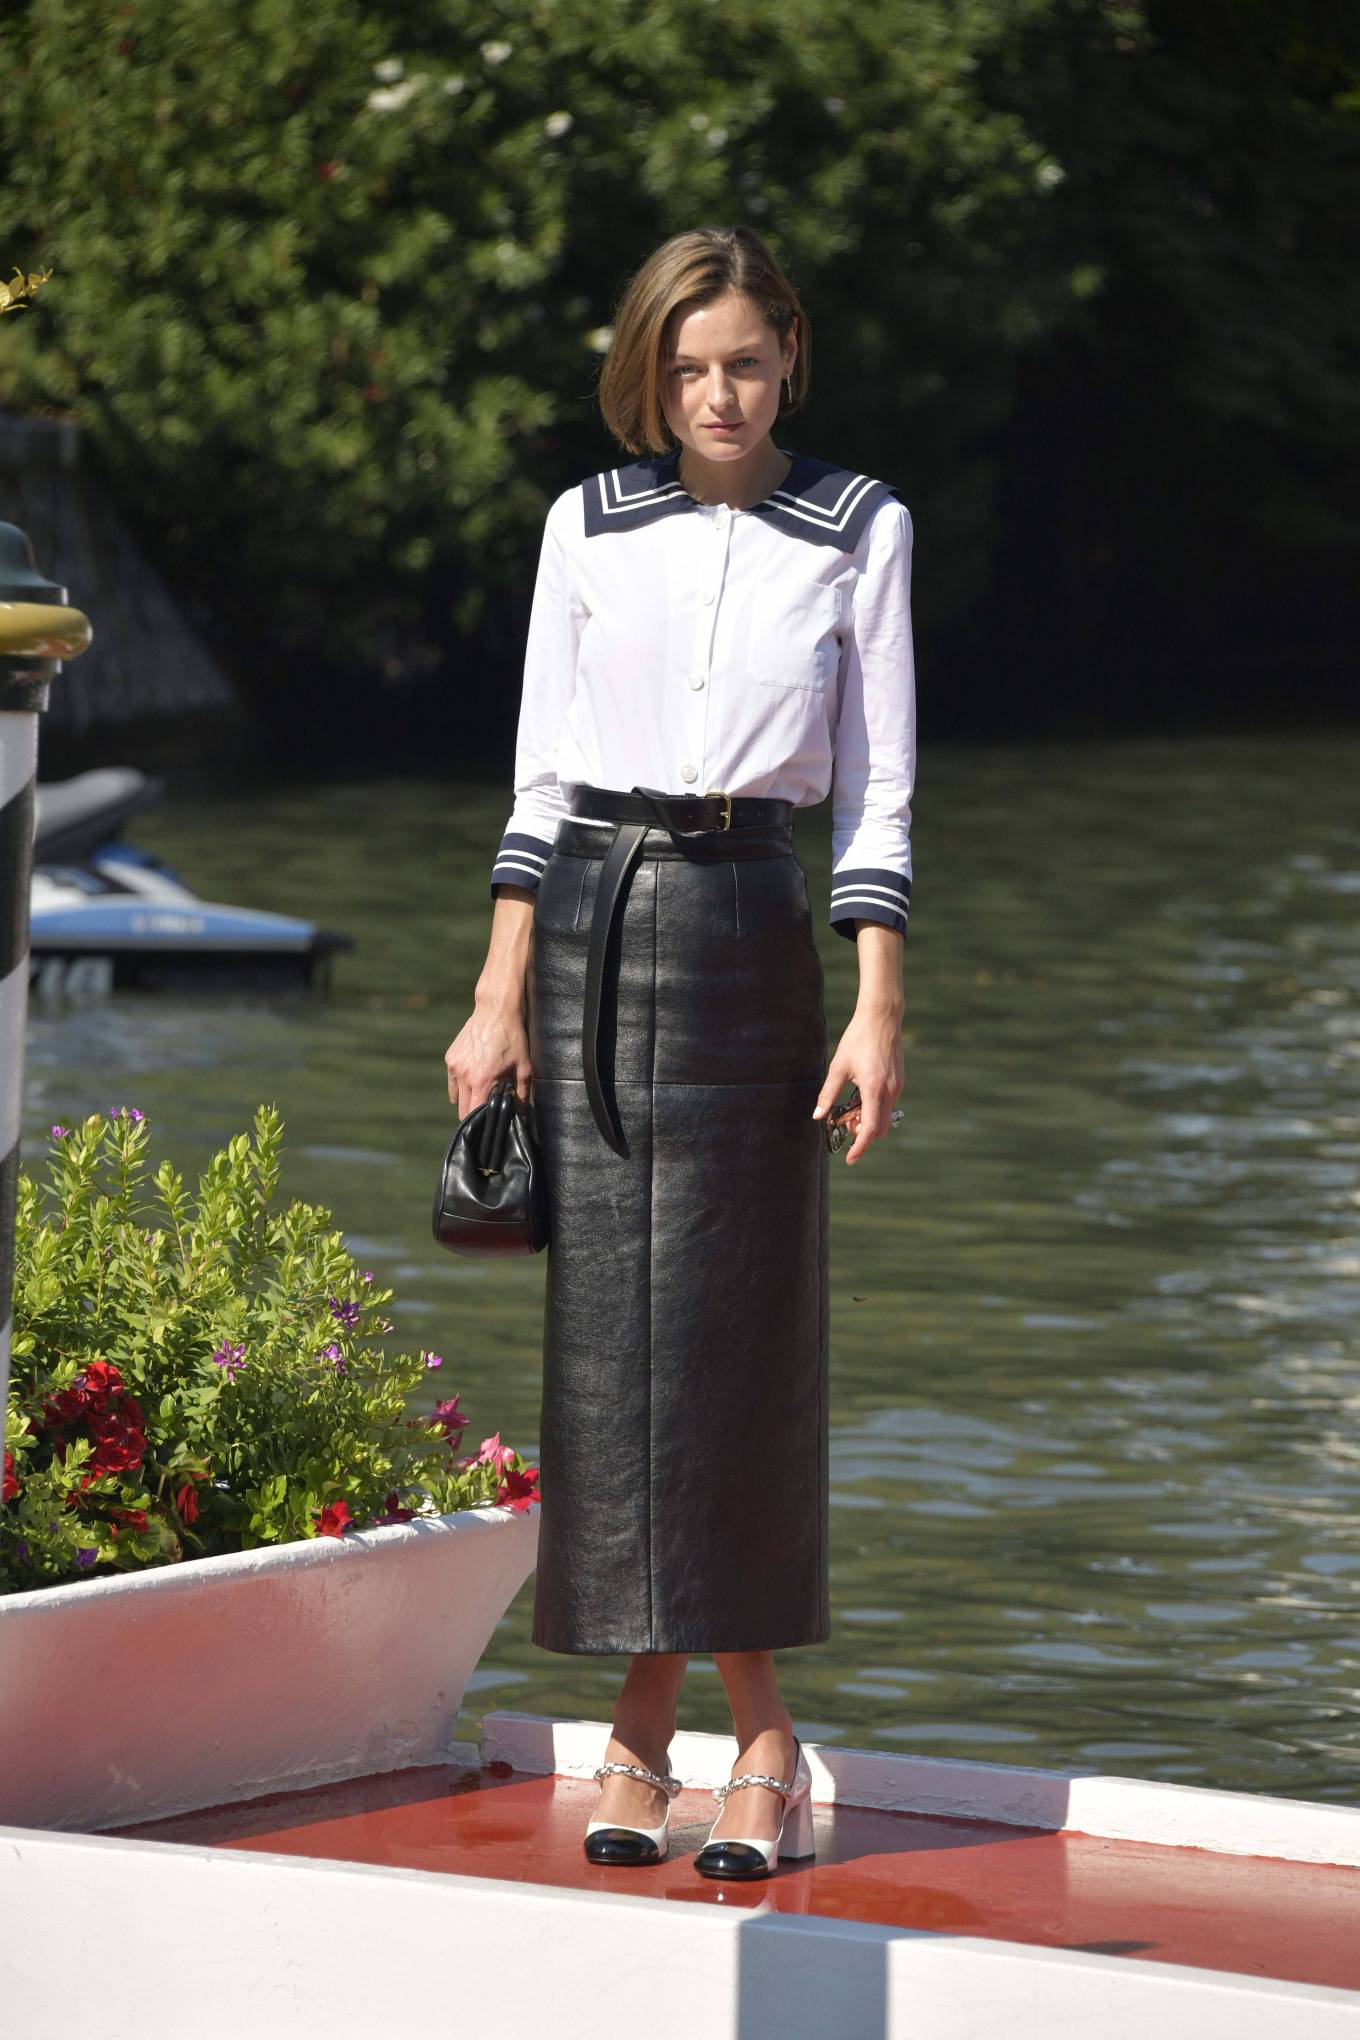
(202, 1372)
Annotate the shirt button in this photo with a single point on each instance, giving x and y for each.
(688, 772)
(722, 516)
(706, 596)
(696, 679)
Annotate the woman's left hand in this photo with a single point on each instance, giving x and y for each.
(868, 1055)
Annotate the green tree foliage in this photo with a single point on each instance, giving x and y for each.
(1176, 476)
(330, 283)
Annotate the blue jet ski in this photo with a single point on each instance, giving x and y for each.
(107, 916)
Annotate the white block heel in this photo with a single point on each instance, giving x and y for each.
(749, 1855)
(609, 1841)
(795, 1836)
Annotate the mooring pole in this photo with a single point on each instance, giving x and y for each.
(37, 631)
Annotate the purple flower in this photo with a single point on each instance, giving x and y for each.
(334, 1355)
(125, 1112)
(133, 1113)
(448, 1418)
(230, 1357)
(60, 1132)
(87, 1554)
(344, 1313)
(432, 1359)
(367, 1275)
(386, 1325)
(22, 1548)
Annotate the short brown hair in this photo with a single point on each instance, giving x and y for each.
(689, 269)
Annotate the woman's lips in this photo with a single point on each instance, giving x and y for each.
(735, 426)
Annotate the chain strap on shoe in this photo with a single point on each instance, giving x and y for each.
(670, 1785)
(754, 1778)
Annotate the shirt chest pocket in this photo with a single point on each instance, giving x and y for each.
(795, 636)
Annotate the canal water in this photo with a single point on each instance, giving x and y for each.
(1095, 1446)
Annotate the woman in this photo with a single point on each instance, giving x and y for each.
(720, 630)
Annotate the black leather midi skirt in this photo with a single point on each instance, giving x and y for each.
(683, 1435)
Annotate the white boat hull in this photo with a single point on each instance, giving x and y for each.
(216, 1679)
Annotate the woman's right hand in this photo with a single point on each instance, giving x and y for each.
(492, 1043)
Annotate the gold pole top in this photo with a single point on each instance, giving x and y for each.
(41, 630)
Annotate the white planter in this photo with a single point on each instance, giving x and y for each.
(215, 1679)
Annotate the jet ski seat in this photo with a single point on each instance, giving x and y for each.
(75, 817)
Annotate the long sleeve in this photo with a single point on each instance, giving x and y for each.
(555, 621)
(874, 771)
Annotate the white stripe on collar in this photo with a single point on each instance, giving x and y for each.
(818, 501)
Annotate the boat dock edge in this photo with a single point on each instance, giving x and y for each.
(1067, 1802)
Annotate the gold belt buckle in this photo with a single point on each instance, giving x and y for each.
(726, 821)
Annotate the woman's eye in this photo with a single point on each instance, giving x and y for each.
(742, 361)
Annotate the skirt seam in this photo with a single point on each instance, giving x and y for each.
(651, 1281)
(822, 1386)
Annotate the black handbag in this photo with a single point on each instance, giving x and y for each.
(491, 1197)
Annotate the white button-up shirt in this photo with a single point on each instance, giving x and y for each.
(690, 647)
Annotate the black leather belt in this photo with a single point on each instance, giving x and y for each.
(633, 814)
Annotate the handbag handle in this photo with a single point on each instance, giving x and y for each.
(494, 1131)
(491, 1132)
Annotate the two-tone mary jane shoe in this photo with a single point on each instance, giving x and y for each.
(608, 1841)
(748, 1855)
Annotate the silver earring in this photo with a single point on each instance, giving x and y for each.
(789, 387)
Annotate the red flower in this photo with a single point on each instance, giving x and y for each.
(186, 1502)
(518, 1489)
(11, 1486)
(65, 1407)
(134, 1518)
(325, 171)
(332, 1520)
(119, 1440)
(118, 1448)
(101, 1404)
(102, 1379)
(393, 1511)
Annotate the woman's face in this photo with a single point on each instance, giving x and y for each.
(722, 368)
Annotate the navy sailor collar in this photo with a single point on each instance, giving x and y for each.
(817, 501)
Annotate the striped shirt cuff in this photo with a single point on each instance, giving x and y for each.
(520, 860)
(869, 895)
